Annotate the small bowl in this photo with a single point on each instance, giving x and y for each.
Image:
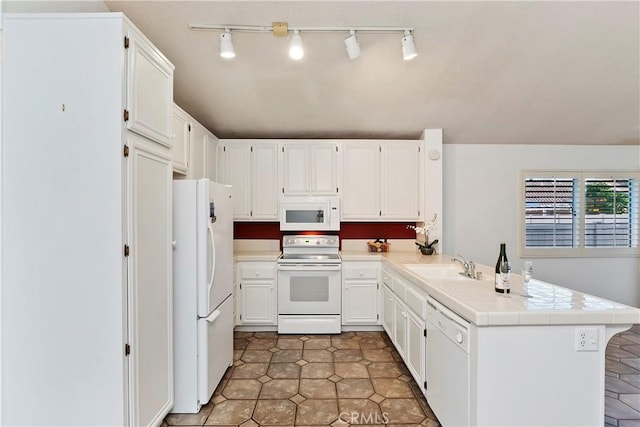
(427, 251)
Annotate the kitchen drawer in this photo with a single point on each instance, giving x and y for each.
(257, 272)
(400, 288)
(387, 279)
(359, 272)
(416, 302)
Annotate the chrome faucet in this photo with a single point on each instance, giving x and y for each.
(469, 266)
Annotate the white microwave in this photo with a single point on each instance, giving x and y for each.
(299, 213)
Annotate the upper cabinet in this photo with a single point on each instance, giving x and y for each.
(181, 136)
(252, 168)
(149, 90)
(195, 150)
(309, 168)
(381, 180)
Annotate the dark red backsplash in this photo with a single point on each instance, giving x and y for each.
(348, 230)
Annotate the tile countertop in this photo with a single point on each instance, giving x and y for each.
(476, 300)
(256, 255)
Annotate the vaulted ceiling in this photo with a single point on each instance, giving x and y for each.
(487, 72)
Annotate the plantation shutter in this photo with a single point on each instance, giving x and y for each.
(550, 212)
(611, 213)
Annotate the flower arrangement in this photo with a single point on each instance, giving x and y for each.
(425, 247)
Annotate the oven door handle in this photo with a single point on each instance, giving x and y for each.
(309, 267)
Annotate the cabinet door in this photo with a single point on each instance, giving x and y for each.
(295, 170)
(415, 356)
(400, 167)
(388, 316)
(197, 156)
(360, 181)
(360, 302)
(211, 154)
(257, 302)
(324, 169)
(149, 90)
(236, 172)
(265, 189)
(400, 325)
(180, 148)
(150, 304)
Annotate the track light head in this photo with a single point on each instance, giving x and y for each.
(408, 47)
(296, 51)
(352, 45)
(226, 45)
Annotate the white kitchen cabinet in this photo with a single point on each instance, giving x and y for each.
(415, 352)
(87, 335)
(360, 293)
(309, 168)
(197, 151)
(387, 311)
(257, 293)
(149, 102)
(181, 137)
(211, 155)
(381, 180)
(400, 326)
(252, 169)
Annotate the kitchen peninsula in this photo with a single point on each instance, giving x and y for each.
(521, 361)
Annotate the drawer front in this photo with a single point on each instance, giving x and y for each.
(359, 272)
(387, 279)
(416, 302)
(257, 272)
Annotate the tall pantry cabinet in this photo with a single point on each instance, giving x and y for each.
(86, 223)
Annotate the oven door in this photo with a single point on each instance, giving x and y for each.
(309, 288)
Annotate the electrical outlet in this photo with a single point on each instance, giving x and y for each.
(587, 339)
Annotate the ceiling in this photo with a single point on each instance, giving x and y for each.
(487, 72)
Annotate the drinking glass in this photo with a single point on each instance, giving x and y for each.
(527, 274)
(505, 273)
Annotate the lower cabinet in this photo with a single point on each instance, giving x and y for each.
(405, 327)
(256, 294)
(360, 290)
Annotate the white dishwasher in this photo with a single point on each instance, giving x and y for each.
(448, 365)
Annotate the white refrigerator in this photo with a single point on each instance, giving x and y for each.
(202, 284)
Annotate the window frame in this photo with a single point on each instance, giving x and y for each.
(579, 251)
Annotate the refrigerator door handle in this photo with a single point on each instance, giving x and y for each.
(213, 257)
(213, 316)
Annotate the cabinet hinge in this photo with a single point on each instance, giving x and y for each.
(377, 285)
(425, 385)
(282, 190)
(241, 317)
(380, 149)
(126, 115)
(126, 250)
(336, 148)
(250, 213)
(126, 42)
(380, 213)
(418, 213)
(425, 332)
(418, 149)
(252, 149)
(240, 285)
(377, 316)
(127, 349)
(224, 148)
(283, 149)
(125, 151)
(189, 127)
(336, 189)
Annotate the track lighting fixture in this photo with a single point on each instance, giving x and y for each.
(226, 45)
(296, 52)
(408, 47)
(295, 46)
(352, 45)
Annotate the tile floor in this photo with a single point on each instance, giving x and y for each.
(622, 380)
(321, 380)
(313, 380)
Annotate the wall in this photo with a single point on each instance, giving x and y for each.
(481, 202)
(54, 6)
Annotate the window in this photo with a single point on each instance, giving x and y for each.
(579, 213)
